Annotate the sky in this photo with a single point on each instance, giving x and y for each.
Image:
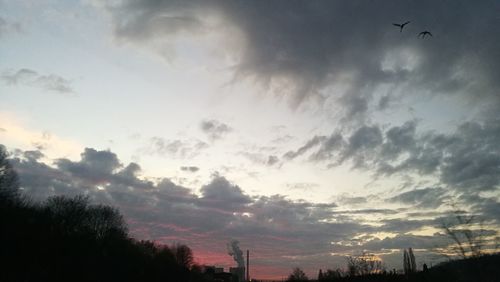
(306, 130)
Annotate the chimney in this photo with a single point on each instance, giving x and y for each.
(248, 265)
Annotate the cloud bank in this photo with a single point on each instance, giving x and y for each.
(345, 53)
(275, 228)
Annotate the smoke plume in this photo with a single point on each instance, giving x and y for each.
(235, 251)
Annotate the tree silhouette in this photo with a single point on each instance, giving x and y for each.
(183, 255)
(413, 262)
(409, 262)
(364, 264)
(330, 275)
(105, 221)
(70, 239)
(406, 262)
(297, 275)
(467, 233)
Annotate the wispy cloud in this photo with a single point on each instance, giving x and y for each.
(47, 82)
(306, 186)
(174, 148)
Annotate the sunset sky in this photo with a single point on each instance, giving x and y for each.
(306, 130)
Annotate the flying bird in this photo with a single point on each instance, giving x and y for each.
(401, 26)
(424, 33)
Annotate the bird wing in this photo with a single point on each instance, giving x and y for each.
(406, 23)
(429, 33)
(396, 24)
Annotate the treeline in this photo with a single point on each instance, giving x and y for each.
(484, 268)
(70, 239)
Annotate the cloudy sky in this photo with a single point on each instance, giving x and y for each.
(307, 130)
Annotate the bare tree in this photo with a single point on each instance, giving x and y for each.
(67, 215)
(105, 221)
(330, 274)
(183, 255)
(77, 215)
(467, 233)
(297, 275)
(364, 264)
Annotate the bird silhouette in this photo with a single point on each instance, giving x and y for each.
(424, 33)
(401, 26)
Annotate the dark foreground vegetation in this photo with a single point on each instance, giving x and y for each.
(485, 268)
(68, 239)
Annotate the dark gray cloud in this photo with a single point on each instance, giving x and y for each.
(165, 211)
(49, 82)
(302, 150)
(309, 45)
(427, 197)
(215, 129)
(190, 168)
(328, 146)
(487, 207)
(466, 159)
(222, 194)
(274, 226)
(94, 165)
(471, 158)
(404, 225)
(399, 139)
(362, 145)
